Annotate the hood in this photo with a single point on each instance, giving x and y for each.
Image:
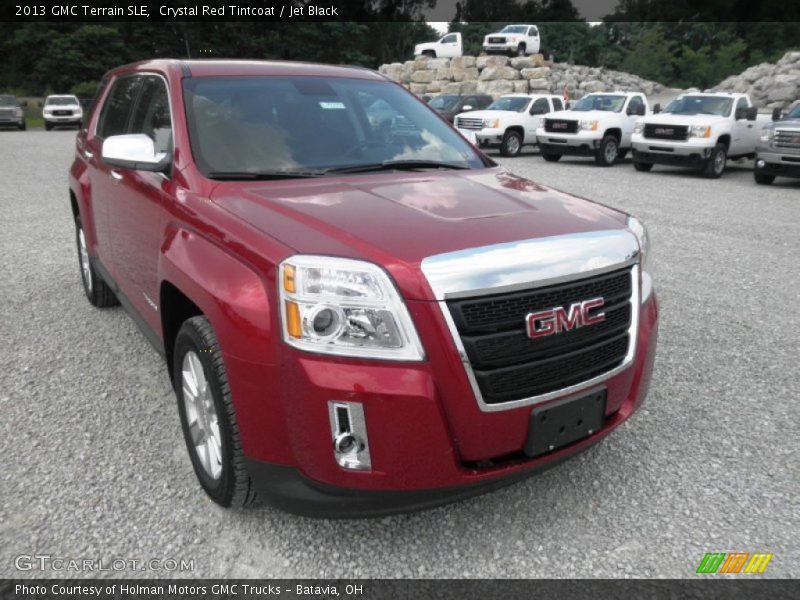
(488, 114)
(785, 124)
(581, 115)
(668, 119)
(398, 219)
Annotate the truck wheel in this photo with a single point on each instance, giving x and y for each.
(608, 152)
(429, 53)
(511, 144)
(23, 126)
(551, 157)
(715, 165)
(47, 127)
(642, 166)
(521, 50)
(207, 415)
(763, 178)
(97, 290)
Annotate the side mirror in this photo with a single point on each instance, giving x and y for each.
(777, 113)
(656, 108)
(751, 114)
(134, 151)
(467, 107)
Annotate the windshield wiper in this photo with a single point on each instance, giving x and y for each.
(391, 165)
(262, 175)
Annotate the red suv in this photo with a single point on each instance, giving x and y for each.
(359, 311)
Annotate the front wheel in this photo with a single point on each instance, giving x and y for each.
(551, 157)
(207, 415)
(98, 292)
(608, 152)
(429, 53)
(715, 165)
(763, 178)
(642, 166)
(511, 144)
(521, 50)
(47, 126)
(23, 126)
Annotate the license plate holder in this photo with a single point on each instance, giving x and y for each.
(561, 423)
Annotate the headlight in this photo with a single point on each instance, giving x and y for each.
(638, 127)
(767, 134)
(345, 307)
(491, 123)
(646, 257)
(588, 125)
(18, 112)
(700, 131)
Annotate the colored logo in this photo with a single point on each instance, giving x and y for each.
(558, 319)
(734, 562)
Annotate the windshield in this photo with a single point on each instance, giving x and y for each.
(515, 29)
(606, 102)
(7, 100)
(794, 113)
(444, 102)
(700, 105)
(311, 124)
(513, 103)
(60, 101)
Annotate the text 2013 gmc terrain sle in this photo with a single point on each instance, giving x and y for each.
(359, 311)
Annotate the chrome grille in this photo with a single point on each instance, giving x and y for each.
(787, 138)
(468, 123)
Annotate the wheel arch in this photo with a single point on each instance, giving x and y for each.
(724, 139)
(614, 131)
(516, 129)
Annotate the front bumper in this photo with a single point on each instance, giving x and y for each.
(585, 143)
(780, 165)
(505, 48)
(416, 460)
(11, 121)
(489, 136)
(62, 120)
(680, 153)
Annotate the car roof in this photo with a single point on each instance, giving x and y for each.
(217, 68)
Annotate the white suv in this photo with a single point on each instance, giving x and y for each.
(598, 125)
(516, 40)
(62, 109)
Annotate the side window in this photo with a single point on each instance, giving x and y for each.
(151, 115)
(533, 32)
(117, 107)
(540, 107)
(557, 104)
(449, 39)
(634, 104)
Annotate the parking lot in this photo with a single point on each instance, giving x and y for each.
(94, 464)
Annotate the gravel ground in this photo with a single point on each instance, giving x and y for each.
(94, 464)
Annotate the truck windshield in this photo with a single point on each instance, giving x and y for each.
(6, 100)
(606, 102)
(513, 103)
(309, 125)
(700, 105)
(444, 102)
(515, 29)
(60, 101)
(794, 113)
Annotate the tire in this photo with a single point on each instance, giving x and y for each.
(642, 166)
(521, 50)
(97, 291)
(715, 165)
(201, 386)
(608, 152)
(763, 178)
(23, 126)
(47, 127)
(551, 157)
(429, 53)
(511, 144)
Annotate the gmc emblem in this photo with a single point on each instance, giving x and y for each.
(550, 322)
(664, 131)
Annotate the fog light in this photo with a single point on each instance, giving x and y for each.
(349, 431)
(760, 164)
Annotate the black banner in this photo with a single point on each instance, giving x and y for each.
(748, 587)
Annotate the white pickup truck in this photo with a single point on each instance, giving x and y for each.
(509, 122)
(516, 40)
(699, 130)
(599, 125)
(448, 46)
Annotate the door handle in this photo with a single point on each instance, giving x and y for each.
(116, 175)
